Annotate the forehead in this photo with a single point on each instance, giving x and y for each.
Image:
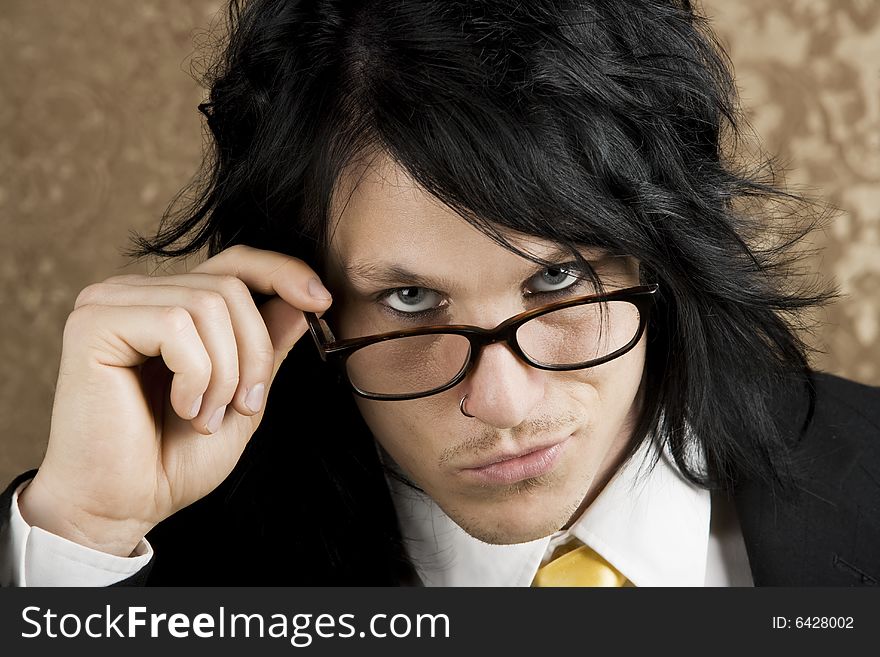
(379, 209)
(381, 218)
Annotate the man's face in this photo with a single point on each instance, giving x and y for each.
(584, 418)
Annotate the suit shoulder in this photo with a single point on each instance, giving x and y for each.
(846, 402)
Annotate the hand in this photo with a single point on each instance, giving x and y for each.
(162, 383)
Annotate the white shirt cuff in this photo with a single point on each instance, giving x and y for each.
(31, 556)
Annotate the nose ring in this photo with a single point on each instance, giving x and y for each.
(461, 407)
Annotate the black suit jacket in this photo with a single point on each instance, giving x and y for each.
(828, 534)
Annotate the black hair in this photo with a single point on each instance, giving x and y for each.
(610, 123)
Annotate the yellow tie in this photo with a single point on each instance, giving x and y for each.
(571, 565)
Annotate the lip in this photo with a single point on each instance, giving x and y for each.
(508, 469)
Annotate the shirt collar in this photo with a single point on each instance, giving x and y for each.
(652, 526)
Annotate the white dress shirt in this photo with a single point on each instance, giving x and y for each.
(31, 556)
(655, 529)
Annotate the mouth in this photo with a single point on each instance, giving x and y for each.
(525, 464)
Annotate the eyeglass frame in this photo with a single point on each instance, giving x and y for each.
(337, 352)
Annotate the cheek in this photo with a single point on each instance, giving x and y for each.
(620, 390)
(611, 391)
(409, 431)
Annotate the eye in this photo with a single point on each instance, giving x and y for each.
(412, 300)
(556, 278)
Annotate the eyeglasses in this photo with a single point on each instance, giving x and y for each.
(566, 335)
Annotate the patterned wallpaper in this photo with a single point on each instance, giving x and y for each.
(809, 78)
(99, 129)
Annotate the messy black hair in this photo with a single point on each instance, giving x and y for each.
(609, 123)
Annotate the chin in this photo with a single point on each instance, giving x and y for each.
(515, 521)
(508, 534)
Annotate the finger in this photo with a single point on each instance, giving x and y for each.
(269, 272)
(211, 315)
(286, 325)
(252, 340)
(125, 336)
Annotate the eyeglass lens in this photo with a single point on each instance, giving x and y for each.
(571, 336)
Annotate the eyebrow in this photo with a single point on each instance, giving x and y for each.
(385, 273)
(391, 274)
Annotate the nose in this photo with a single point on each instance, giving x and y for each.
(502, 390)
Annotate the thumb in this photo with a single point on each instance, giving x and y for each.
(286, 325)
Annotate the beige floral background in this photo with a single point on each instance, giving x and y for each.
(99, 129)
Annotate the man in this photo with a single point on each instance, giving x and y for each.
(543, 299)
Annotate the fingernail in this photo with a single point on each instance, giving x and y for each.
(317, 290)
(196, 407)
(216, 419)
(254, 399)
